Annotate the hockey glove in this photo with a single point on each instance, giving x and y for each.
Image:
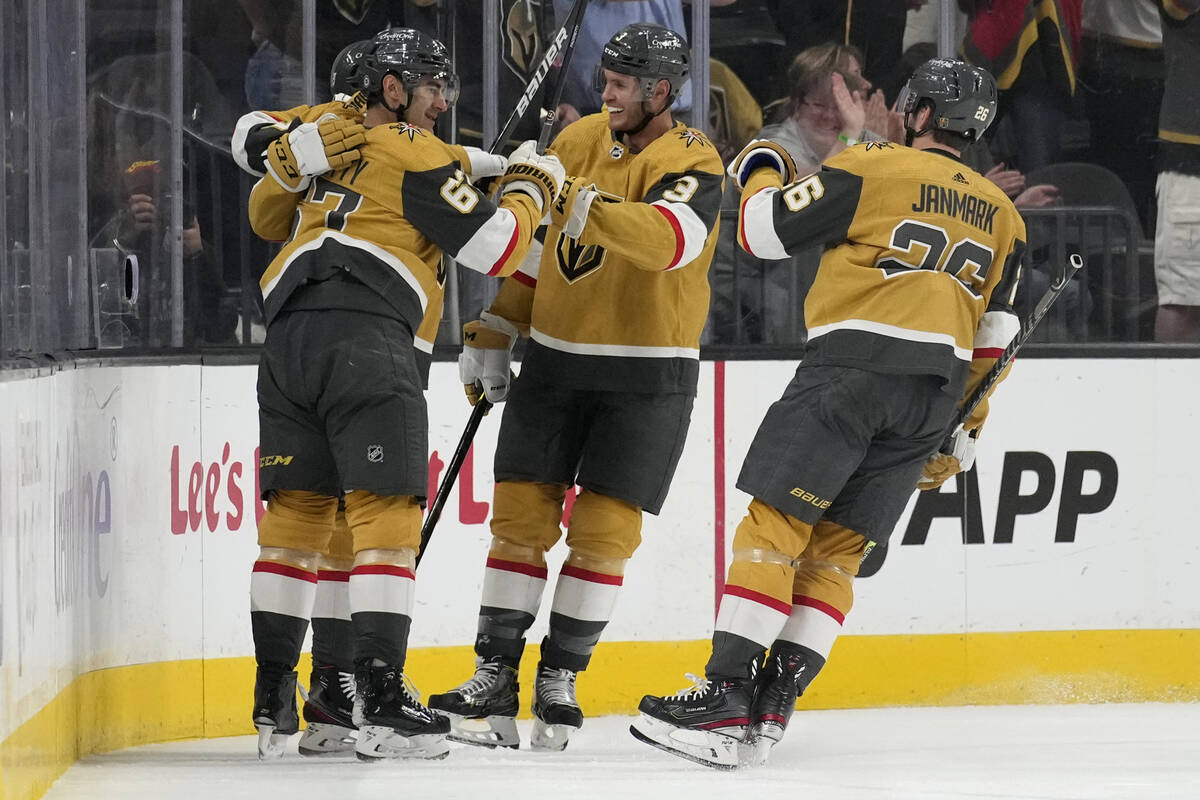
(538, 176)
(313, 148)
(761, 153)
(484, 164)
(571, 208)
(960, 457)
(484, 365)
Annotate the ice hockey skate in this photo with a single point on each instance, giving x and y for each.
(779, 684)
(392, 722)
(275, 714)
(328, 711)
(556, 712)
(483, 711)
(705, 723)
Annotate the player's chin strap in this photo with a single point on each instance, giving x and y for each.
(647, 118)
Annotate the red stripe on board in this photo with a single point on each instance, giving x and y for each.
(524, 280)
(987, 352)
(718, 484)
(384, 569)
(819, 605)
(758, 597)
(674, 221)
(286, 570)
(332, 575)
(517, 566)
(512, 243)
(593, 577)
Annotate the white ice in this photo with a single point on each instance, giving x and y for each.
(1084, 752)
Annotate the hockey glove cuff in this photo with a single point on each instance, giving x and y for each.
(483, 164)
(761, 153)
(571, 208)
(485, 363)
(538, 176)
(958, 457)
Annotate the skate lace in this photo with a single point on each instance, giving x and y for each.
(557, 686)
(484, 678)
(698, 689)
(349, 687)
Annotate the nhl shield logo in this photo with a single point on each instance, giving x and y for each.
(375, 453)
(616, 151)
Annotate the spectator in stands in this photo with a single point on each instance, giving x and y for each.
(1177, 239)
(1030, 46)
(1121, 83)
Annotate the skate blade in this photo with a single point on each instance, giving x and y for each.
(716, 750)
(323, 740)
(755, 751)
(484, 731)
(270, 743)
(378, 742)
(550, 738)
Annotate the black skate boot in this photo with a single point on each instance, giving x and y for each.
(328, 710)
(705, 723)
(274, 708)
(483, 711)
(556, 712)
(392, 722)
(784, 677)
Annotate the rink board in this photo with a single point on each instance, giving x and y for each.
(127, 523)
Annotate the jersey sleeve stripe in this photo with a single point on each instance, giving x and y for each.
(996, 329)
(246, 125)
(524, 280)
(987, 352)
(491, 245)
(757, 226)
(690, 232)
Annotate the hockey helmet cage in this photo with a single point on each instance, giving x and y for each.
(962, 96)
(649, 52)
(345, 77)
(410, 55)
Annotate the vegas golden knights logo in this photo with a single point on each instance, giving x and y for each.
(522, 46)
(576, 260)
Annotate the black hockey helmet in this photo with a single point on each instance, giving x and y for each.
(649, 52)
(409, 55)
(345, 77)
(962, 96)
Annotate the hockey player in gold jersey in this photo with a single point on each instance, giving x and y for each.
(613, 310)
(341, 409)
(329, 135)
(911, 306)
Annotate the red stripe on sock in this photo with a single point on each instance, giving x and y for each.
(594, 577)
(384, 569)
(286, 570)
(758, 597)
(819, 605)
(332, 575)
(517, 566)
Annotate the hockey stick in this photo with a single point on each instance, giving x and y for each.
(877, 551)
(564, 44)
(452, 470)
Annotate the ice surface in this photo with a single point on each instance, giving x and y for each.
(1092, 752)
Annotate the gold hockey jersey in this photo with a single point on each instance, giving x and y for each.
(387, 219)
(622, 307)
(922, 261)
(275, 207)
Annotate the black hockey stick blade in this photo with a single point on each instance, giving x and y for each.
(560, 49)
(452, 470)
